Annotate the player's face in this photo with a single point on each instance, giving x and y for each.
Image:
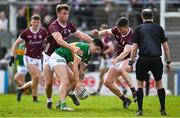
(63, 15)
(123, 30)
(94, 49)
(35, 23)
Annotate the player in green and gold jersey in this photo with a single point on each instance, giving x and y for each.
(70, 77)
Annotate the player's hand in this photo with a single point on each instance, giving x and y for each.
(11, 61)
(169, 67)
(77, 50)
(95, 32)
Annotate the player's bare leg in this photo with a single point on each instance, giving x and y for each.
(48, 76)
(125, 74)
(21, 89)
(62, 74)
(19, 78)
(109, 82)
(119, 81)
(35, 76)
(26, 85)
(71, 87)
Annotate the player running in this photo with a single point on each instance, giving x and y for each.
(70, 78)
(58, 32)
(123, 35)
(33, 38)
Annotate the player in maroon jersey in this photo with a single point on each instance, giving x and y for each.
(34, 38)
(123, 35)
(58, 33)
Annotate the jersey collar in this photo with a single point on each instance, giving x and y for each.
(33, 31)
(127, 33)
(61, 24)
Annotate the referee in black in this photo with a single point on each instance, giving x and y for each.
(148, 38)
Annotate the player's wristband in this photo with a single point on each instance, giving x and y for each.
(131, 62)
(168, 62)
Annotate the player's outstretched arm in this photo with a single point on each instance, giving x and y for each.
(59, 39)
(95, 32)
(83, 36)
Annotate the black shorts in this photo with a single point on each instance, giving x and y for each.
(146, 64)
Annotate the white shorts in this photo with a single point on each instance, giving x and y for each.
(55, 59)
(105, 63)
(21, 69)
(35, 61)
(45, 59)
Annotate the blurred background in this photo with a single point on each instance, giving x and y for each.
(87, 15)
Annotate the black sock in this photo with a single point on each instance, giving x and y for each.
(133, 90)
(34, 98)
(140, 98)
(161, 95)
(123, 98)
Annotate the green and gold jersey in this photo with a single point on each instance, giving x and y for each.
(20, 52)
(66, 53)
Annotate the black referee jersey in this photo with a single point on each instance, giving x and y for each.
(149, 37)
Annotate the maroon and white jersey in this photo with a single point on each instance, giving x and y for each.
(34, 41)
(106, 41)
(122, 40)
(65, 31)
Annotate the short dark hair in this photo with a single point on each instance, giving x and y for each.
(98, 43)
(147, 14)
(61, 7)
(122, 21)
(36, 17)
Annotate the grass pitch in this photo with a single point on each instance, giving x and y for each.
(94, 106)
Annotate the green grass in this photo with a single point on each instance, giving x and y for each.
(96, 106)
